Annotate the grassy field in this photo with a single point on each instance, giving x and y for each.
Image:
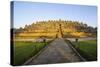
(88, 49)
(25, 50)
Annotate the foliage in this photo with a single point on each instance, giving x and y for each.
(25, 50)
(88, 49)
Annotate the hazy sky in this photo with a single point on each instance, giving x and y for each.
(29, 12)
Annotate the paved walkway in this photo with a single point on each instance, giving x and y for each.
(57, 52)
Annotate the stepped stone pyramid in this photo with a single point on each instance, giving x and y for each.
(55, 28)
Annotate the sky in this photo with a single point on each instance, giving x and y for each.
(30, 12)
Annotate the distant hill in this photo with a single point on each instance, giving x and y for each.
(56, 28)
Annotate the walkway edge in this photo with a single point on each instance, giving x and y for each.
(70, 45)
(28, 61)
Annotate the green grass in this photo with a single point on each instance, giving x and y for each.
(25, 50)
(88, 49)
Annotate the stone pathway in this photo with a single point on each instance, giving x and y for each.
(57, 52)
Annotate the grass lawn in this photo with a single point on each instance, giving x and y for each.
(88, 49)
(25, 50)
